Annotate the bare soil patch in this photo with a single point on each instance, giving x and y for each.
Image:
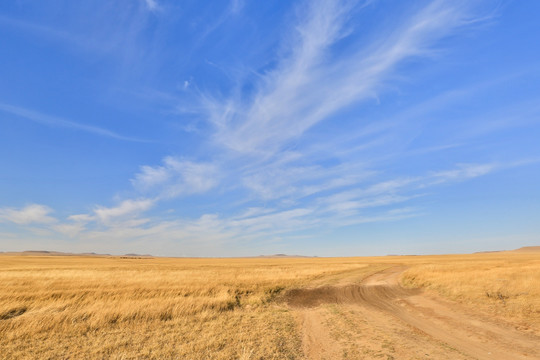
(378, 318)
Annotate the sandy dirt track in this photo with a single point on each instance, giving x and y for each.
(378, 319)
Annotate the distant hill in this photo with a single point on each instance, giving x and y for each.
(44, 252)
(524, 249)
(528, 249)
(490, 251)
(53, 253)
(284, 256)
(136, 256)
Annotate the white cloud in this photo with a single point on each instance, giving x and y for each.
(70, 230)
(463, 172)
(150, 176)
(152, 5)
(81, 218)
(125, 208)
(280, 221)
(356, 204)
(309, 85)
(177, 177)
(31, 214)
(210, 232)
(399, 190)
(334, 181)
(194, 177)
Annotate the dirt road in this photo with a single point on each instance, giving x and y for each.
(378, 319)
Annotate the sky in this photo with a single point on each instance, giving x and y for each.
(239, 128)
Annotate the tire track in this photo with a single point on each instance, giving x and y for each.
(448, 327)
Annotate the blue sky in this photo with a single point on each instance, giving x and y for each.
(188, 128)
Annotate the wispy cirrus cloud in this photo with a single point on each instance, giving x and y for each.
(379, 202)
(259, 132)
(55, 121)
(255, 146)
(309, 84)
(463, 172)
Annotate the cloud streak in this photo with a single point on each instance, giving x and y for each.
(306, 188)
(309, 85)
(54, 121)
(256, 151)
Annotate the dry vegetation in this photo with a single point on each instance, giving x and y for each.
(506, 284)
(60, 307)
(105, 307)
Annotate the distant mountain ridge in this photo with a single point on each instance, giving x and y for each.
(520, 250)
(528, 249)
(285, 256)
(524, 249)
(60, 253)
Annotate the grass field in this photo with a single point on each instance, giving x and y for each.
(505, 284)
(55, 307)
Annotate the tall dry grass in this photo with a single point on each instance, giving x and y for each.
(505, 284)
(54, 307)
(103, 307)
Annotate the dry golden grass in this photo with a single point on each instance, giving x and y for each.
(105, 307)
(505, 284)
(70, 307)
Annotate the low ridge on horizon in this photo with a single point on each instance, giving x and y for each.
(277, 255)
(329, 127)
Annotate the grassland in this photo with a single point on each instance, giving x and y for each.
(106, 307)
(505, 284)
(60, 307)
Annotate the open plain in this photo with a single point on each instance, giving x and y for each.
(477, 306)
(225, 136)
